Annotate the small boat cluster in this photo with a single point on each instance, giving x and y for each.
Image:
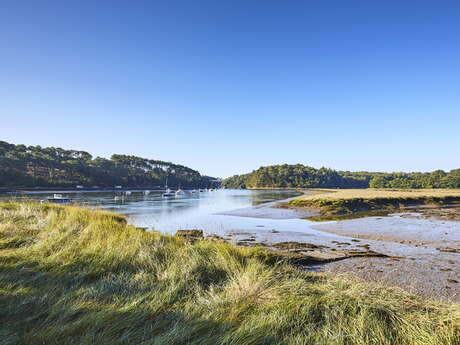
(59, 199)
(181, 193)
(169, 193)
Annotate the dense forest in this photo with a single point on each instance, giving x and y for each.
(35, 166)
(301, 176)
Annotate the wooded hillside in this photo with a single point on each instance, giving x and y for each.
(301, 176)
(36, 166)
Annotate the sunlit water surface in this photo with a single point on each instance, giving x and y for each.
(205, 210)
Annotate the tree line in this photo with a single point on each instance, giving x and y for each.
(36, 166)
(301, 176)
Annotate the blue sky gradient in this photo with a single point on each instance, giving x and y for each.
(227, 86)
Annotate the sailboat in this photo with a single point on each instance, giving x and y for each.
(180, 193)
(169, 193)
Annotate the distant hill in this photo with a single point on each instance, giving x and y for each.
(301, 176)
(36, 166)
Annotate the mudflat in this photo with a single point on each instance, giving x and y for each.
(428, 250)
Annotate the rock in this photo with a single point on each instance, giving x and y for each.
(194, 234)
(295, 245)
(215, 238)
(448, 250)
(367, 246)
(341, 243)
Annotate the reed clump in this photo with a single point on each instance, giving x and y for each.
(75, 276)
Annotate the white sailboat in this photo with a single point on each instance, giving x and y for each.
(168, 194)
(180, 193)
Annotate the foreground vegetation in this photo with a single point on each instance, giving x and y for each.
(35, 166)
(352, 201)
(76, 276)
(300, 176)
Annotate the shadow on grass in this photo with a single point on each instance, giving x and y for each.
(41, 307)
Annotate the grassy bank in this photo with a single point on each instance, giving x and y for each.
(345, 202)
(75, 276)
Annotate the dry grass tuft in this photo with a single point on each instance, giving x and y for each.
(75, 276)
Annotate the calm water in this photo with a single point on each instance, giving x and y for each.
(201, 210)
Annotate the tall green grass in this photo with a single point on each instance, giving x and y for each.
(75, 276)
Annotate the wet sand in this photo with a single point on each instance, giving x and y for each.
(407, 228)
(439, 213)
(430, 275)
(272, 210)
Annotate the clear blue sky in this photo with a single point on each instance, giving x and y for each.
(227, 86)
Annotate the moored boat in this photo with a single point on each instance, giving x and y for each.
(57, 199)
(168, 194)
(180, 193)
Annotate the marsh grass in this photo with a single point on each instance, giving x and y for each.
(74, 276)
(359, 202)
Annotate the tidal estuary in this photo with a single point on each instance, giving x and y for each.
(398, 250)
